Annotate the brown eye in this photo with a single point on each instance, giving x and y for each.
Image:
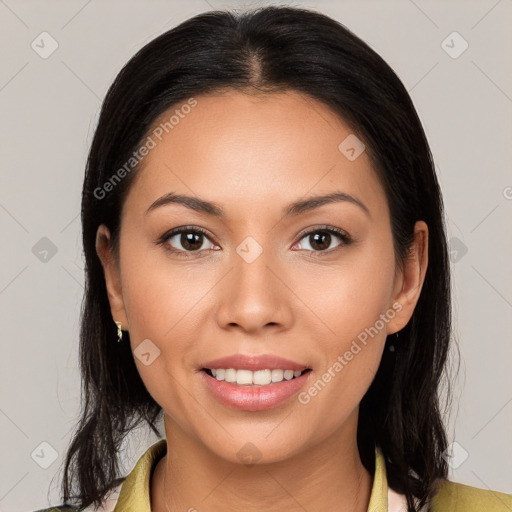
(191, 241)
(186, 240)
(321, 240)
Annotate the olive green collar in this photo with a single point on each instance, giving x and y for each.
(134, 494)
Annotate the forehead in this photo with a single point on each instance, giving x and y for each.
(252, 149)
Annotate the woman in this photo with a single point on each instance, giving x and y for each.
(264, 238)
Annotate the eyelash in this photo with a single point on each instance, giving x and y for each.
(345, 238)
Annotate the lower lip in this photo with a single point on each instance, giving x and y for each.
(254, 398)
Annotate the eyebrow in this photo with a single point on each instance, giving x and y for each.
(293, 209)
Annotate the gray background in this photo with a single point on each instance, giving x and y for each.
(48, 110)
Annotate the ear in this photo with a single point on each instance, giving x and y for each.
(112, 276)
(409, 282)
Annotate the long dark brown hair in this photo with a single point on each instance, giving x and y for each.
(269, 49)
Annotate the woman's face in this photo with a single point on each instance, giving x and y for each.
(264, 280)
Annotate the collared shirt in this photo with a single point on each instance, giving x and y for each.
(133, 494)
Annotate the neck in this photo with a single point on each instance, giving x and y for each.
(329, 476)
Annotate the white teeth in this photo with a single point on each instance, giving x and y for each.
(262, 377)
(230, 375)
(243, 377)
(258, 377)
(277, 375)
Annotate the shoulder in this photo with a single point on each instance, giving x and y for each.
(456, 497)
(107, 505)
(62, 508)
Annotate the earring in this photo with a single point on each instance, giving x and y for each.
(391, 347)
(119, 332)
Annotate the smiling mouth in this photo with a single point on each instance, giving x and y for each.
(263, 377)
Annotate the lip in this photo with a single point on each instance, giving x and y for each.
(253, 397)
(254, 362)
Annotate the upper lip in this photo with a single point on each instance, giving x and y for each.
(254, 362)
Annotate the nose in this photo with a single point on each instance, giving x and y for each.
(254, 296)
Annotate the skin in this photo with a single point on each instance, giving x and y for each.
(252, 155)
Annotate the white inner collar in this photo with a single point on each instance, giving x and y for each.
(396, 502)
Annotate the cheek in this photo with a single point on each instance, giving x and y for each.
(335, 392)
(163, 302)
(354, 305)
(349, 297)
(161, 296)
